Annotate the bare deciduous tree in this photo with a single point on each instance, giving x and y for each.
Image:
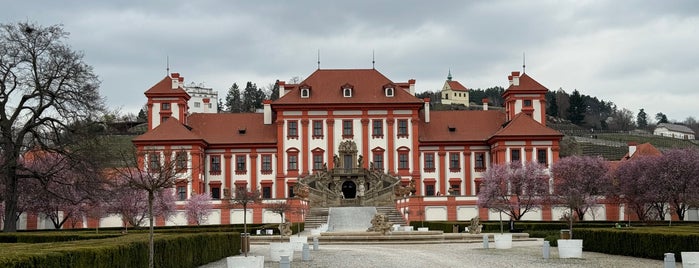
(45, 87)
(150, 171)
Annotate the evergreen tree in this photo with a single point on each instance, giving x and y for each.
(252, 98)
(552, 103)
(275, 91)
(142, 114)
(234, 103)
(220, 106)
(661, 117)
(576, 111)
(642, 119)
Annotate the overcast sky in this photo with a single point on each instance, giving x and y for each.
(637, 54)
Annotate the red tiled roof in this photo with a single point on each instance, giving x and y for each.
(170, 130)
(165, 87)
(525, 125)
(526, 83)
(456, 86)
(645, 149)
(368, 88)
(224, 128)
(468, 125)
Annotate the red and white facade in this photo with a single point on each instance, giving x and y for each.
(445, 152)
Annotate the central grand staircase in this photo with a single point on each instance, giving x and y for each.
(318, 216)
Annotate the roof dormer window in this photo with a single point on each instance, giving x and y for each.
(389, 90)
(347, 90)
(305, 91)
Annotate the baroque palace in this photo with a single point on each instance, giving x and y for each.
(343, 137)
(348, 137)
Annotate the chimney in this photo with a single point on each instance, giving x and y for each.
(485, 104)
(427, 109)
(206, 104)
(282, 90)
(632, 148)
(175, 80)
(411, 82)
(267, 107)
(515, 78)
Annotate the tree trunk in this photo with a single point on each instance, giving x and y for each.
(151, 250)
(245, 226)
(10, 200)
(570, 223)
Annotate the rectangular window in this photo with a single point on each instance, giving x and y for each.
(480, 162)
(454, 163)
(292, 130)
(154, 161)
(455, 189)
(197, 104)
(266, 192)
(291, 191)
(181, 161)
(479, 184)
(541, 156)
(317, 129)
(527, 103)
(317, 161)
(215, 193)
(429, 162)
(293, 162)
(165, 106)
(429, 190)
(181, 193)
(514, 155)
(377, 128)
(403, 160)
(347, 129)
(266, 164)
(402, 127)
(378, 161)
(215, 167)
(240, 165)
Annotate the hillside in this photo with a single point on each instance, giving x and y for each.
(612, 145)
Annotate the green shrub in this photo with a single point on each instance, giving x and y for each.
(171, 250)
(638, 242)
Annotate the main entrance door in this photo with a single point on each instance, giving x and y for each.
(349, 189)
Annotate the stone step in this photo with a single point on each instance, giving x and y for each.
(431, 237)
(394, 216)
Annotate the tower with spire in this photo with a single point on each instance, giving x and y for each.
(454, 92)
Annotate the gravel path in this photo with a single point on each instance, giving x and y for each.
(523, 254)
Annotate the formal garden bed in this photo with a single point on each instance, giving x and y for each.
(644, 239)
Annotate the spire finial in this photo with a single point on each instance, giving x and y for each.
(167, 65)
(373, 59)
(449, 75)
(524, 61)
(318, 59)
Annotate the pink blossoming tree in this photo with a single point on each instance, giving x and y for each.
(198, 208)
(515, 189)
(635, 182)
(578, 182)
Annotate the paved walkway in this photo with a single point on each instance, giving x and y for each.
(522, 254)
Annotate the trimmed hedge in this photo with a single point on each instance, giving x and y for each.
(51, 237)
(171, 250)
(637, 242)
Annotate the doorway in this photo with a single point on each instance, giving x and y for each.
(349, 189)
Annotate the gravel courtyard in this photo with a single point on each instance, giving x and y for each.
(522, 254)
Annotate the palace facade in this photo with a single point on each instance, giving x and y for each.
(347, 130)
